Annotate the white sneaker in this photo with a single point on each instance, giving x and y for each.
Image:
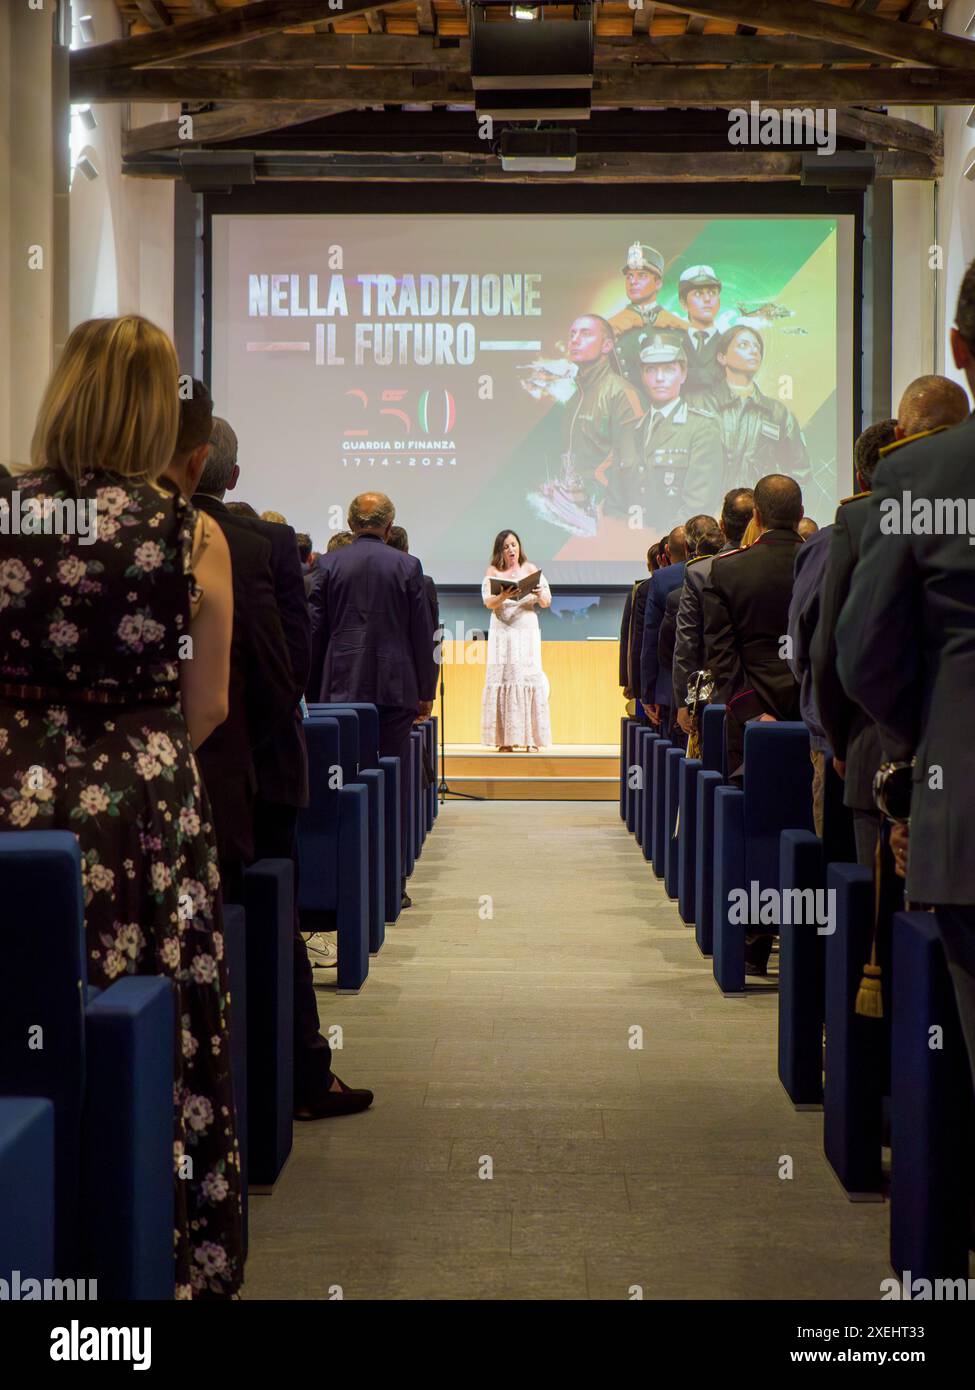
(323, 950)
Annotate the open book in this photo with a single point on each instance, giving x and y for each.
(516, 589)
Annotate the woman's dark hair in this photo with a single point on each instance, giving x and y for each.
(499, 540)
(659, 558)
(728, 337)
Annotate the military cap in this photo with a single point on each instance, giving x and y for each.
(640, 256)
(666, 345)
(696, 275)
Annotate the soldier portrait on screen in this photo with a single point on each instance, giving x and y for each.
(676, 469)
(759, 434)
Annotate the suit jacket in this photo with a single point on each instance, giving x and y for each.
(655, 683)
(689, 651)
(853, 735)
(905, 646)
(289, 589)
(372, 626)
(625, 639)
(668, 632)
(746, 614)
(804, 619)
(267, 660)
(430, 589)
(704, 372)
(637, 624)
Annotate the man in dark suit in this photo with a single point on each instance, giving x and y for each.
(906, 654)
(281, 767)
(655, 690)
(373, 633)
(399, 540)
(263, 693)
(689, 651)
(746, 614)
(629, 673)
(928, 404)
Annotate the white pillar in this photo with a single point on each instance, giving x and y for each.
(34, 167)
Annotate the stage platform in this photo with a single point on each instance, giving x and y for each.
(563, 772)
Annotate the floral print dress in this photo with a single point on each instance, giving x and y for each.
(93, 740)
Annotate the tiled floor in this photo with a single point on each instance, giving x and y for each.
(519, 1146)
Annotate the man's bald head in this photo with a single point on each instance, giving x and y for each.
(778, 502)
(677, 545)
(930, 403)
(371, 511)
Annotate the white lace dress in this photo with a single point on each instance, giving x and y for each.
(514, 711)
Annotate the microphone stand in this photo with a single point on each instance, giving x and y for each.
(443, 789)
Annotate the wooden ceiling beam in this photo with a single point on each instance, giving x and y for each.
(180, 41)
(718, 166)
(395, 50)
(823, 87)
(810, 20)
(154, 13)
(229, 123)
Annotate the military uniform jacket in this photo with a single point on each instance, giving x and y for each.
(705, 373)
(689, 651)
(677, 471)
(853, 736)
(746, 614)
(599, 421)
(654, 316)
(759, 435)
(905, 647)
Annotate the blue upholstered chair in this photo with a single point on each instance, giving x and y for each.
(26, 1187)
(931, 1111)
(624, 722)
(661, 748)
(673, 762)
(333, 850)
(370, 761)
(630, 760)
(748, 823)
(105, 1061)
(358, 737)
(269, 1018)
(856, 1048)
(645, 740)
(709, 778)
(802, 965)
(687, 839)
(416, 793)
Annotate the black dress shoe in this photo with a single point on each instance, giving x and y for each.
(406, 900)
(343, 1102)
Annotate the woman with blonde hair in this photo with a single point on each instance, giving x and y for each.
(100, 710)
(275, 517)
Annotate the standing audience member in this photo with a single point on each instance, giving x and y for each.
(803, 617)
(928, 404)
(746, 611)
(96, 703)
(806, 528)
(704, 538)
(262, 692)
(307, 559)
(281, 765)
(655, 690)
(689, 649)
(905, 651)
(373, 635)
(399, 540)
(336, 542)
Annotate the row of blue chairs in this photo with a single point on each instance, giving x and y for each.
(86, 1076)
(875, 1079)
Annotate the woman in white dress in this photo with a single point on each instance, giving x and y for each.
(514, 711)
